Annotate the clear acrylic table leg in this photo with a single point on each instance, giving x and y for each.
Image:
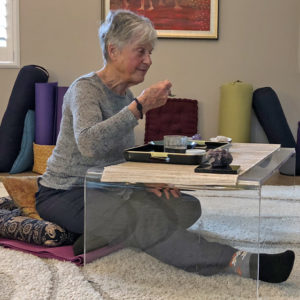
(229, 219)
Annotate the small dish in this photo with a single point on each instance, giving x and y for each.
(195, 151)
(221, 139)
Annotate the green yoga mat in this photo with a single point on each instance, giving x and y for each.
(235, 111)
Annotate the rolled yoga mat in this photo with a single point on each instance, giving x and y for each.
(45, 95)
(235, 111)
(298, 151)
(270, 115)
(61, 90)
(22, 99)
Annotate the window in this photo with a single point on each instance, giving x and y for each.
(9, 34)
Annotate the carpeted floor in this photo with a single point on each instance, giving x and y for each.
(126, 274)
(232, 216)
(131, 274)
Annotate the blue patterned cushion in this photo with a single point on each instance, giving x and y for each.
(17, 227)
(7, 203)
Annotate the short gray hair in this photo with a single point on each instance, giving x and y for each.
(121, 27)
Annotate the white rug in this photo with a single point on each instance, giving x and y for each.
(233, 216)
(130, 274)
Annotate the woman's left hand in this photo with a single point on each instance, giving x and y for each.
(159, 189)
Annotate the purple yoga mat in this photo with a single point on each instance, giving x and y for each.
(45, 95)
(61, 90)
(64, 253)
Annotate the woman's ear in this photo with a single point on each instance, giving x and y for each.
(112, 51)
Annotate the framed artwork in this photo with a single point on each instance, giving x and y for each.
(194, 19)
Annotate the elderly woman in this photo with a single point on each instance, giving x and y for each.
(99, 116)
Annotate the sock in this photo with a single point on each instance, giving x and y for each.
(240, 264)
(273, 268)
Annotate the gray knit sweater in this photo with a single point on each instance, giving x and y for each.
(95, 129)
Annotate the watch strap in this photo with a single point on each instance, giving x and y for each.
(139, 107)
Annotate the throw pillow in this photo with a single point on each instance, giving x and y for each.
(24, 160)
(41, 153)
(15, 226)
(22, 191)
(178, 116)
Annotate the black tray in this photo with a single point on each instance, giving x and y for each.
(207, 168)
(154, 153)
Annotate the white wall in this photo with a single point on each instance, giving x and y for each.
(258, 43)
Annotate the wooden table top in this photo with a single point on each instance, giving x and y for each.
(247, 155)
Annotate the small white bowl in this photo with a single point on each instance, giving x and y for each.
(221, 139)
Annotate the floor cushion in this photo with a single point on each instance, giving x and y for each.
(22, 192)
(41, 153)
(21, 100)
(7, 203)
(19, 219)
(17, 227)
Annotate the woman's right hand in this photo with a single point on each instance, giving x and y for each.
(160, 189)
(155, 96)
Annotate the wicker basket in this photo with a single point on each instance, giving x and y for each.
(41, 153)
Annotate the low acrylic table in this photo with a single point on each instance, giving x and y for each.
(232, 206)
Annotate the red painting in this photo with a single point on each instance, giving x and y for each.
(175, 18)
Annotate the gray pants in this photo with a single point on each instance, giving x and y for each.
(137, 218)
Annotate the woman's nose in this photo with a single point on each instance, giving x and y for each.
(147, 59)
